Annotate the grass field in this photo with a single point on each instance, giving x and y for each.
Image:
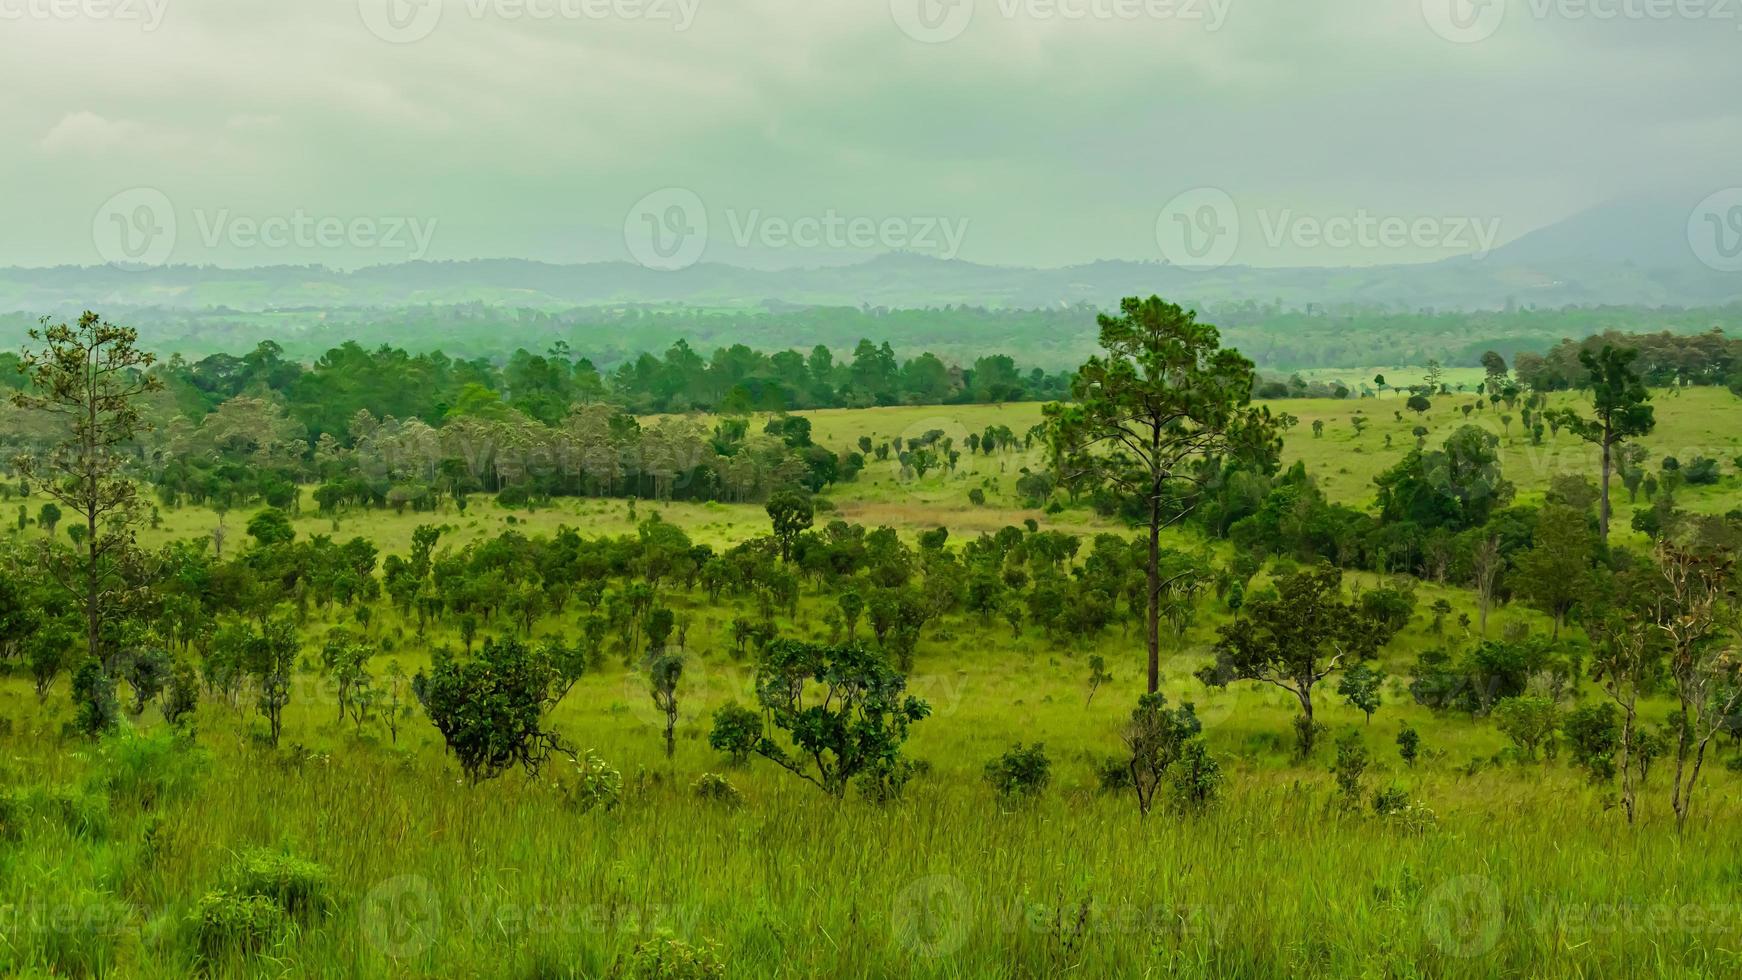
(1502, 869)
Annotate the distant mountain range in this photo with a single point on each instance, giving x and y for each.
(1636, 252)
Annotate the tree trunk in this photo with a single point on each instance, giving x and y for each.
(1603, 508)
(1152, 616)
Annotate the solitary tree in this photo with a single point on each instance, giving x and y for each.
(1153, 417)
(1618, 407)
(1300, 636)
(90, 377)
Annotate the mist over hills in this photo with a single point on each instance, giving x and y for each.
(1633, 252)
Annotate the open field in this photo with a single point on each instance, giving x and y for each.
(1501, 867)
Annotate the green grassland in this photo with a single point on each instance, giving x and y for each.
(1503, 868)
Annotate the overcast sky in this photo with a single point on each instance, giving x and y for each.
(794, 132)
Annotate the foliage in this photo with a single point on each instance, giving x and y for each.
(852, 729)
(1020, 773)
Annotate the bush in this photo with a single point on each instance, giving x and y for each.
(145, 770)
(665, 958)
(301, 889)
(224, 922)
(1390, 800)
(1197, 776)
(1703, 471)
(1351, 765)
(737, 730)
(593, 784)
(715, 788)
(1020, 773)
(1408, 744)
(1530, 722)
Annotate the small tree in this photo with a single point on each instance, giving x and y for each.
(1157, 737)
(844, 713)
(790, 512)
(1530, 722)
(490, 708)
(271, 656)
(1299, 637)
(1351, 765)
(1359, 688)
(664, 670)
(1408, 744)
(736, 731)
(1020, 774)
(90, 378)
(1619, 411)
(1097, 676)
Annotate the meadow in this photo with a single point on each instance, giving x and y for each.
(1499, 866)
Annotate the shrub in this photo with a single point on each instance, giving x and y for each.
(301, 889)
(736, 731)
(1351, 765)
(1593, 734)
(1408, 744)
(1197, 776)
(593, 784)
(224, 922)
(715, 788)
(1391, 800)
(666, 958)
(1530, 722)
(1020, 773)
(145, 770)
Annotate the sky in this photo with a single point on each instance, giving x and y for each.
(779, 133)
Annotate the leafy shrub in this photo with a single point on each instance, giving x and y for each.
(1391, 800)
(148, 769)
(224, 922)
(1351, 765)
(1530, 722)
(1593, 735)
(1020, 773)
(1408, 744)
(736, 731)
(666, 958)
(299, 888)
(715, 788)
(593, 784)
(1114, 774)
(1197, 776)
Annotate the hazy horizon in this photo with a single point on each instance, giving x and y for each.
(1036, 133)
